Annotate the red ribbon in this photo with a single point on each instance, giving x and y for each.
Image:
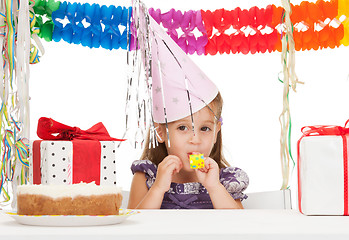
(327, 130)
(49, 129)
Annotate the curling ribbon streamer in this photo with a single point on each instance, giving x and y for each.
(93, 25)
(289, 80)
(17, 27)
(327, 130)
(10, 37)
(35, 31)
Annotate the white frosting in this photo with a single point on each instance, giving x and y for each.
(59, 191)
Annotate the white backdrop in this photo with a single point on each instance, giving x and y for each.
(79, 86)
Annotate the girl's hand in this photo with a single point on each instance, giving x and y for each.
(209, 175)
(166, 169)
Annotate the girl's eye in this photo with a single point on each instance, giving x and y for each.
(182, 128)
(205, 129)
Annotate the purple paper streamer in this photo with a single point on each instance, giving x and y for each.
(187, 22)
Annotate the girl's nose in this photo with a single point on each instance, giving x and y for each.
(195, 138)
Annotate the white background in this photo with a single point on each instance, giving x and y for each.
(79, 86)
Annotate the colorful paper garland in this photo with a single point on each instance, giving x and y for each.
(251, 30)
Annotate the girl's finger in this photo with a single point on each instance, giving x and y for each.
(169, 160)
(176, 166)
(207, 164)
(170, 169)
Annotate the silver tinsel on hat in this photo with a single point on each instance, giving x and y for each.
(139, 89)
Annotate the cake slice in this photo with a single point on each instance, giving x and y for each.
(75, 199)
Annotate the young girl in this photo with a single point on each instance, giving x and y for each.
(164, 179)
(187, 109)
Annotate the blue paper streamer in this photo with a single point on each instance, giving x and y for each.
(93, 25)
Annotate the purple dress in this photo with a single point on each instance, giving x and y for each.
(194, 195)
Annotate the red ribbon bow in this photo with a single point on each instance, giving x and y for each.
(49, 129)
(325, 130)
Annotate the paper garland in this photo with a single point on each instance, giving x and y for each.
(256, 30)
(317, 26)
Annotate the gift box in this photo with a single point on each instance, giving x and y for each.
(67, 162)
(69, 155)
(323, 170)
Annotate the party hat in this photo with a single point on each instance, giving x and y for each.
(180, 88)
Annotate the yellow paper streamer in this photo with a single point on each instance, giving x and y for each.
(343, 9)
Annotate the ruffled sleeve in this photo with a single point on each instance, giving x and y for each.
(147, 167)
(235, 181)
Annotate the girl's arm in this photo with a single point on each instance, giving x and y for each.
(141, 197)
(221, 199)
(209, 177)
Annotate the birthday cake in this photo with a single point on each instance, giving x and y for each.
(76, 199)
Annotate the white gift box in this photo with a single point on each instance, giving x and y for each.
(56, 163)
(323, 174)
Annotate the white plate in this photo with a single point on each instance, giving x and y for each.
(72, 220)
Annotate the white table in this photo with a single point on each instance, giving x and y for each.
(194, 224)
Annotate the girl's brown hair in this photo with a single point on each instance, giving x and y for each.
(157, 154)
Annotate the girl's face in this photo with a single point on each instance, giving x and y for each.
(183, 141)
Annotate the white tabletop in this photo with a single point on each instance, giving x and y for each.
(193, 224)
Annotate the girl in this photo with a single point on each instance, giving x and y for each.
(186, 111)
(164, 179)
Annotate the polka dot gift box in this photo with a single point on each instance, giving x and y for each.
(83, 156)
